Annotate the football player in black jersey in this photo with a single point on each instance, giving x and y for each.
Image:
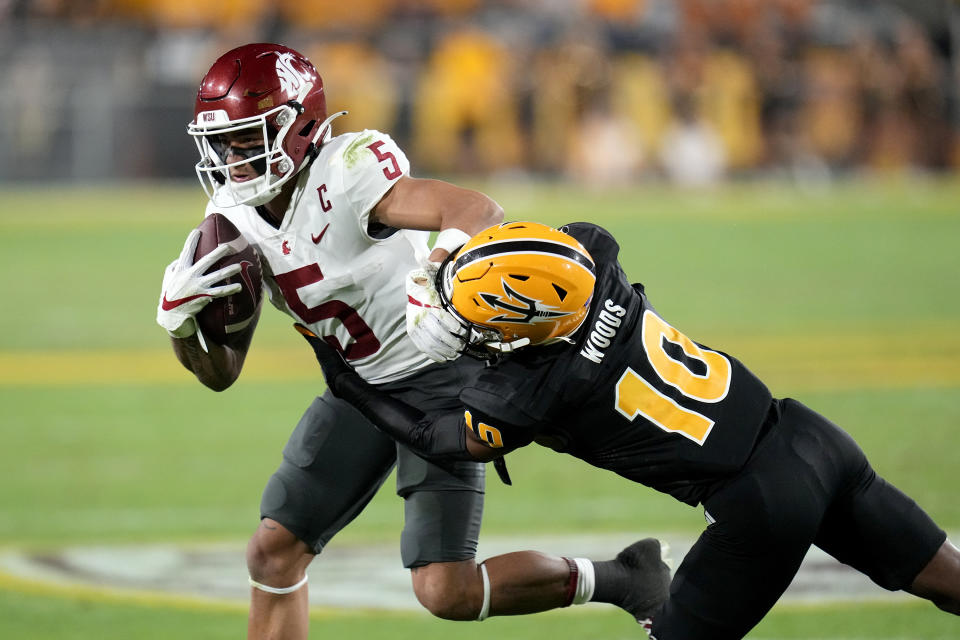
(582, 362)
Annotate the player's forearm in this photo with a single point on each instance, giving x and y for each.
(441, 440)
(219, 366)
(473, 212)
(432, 205)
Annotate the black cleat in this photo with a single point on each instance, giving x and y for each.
(649, 579)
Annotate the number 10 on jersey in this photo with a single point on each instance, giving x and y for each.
(637, 396)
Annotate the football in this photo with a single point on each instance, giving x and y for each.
(225, 319)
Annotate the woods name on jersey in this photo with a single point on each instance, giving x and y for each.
(604, 330)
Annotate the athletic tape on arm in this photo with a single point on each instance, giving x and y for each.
(451, 239)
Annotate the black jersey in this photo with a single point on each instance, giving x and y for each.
(630, 394)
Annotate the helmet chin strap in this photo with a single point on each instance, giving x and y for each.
(508, 347)
(265, 197)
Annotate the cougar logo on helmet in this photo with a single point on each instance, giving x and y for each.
(518, 283)
(291, 79)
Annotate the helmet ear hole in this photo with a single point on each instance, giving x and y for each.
(305, 132)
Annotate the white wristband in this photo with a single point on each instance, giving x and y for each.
(451, 239)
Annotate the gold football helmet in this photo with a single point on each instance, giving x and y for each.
(518, 283)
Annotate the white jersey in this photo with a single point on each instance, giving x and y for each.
(324, 269)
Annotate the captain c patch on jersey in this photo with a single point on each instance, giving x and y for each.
(603, 331)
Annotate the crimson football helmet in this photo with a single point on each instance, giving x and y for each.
(517, 284)
(266, 90)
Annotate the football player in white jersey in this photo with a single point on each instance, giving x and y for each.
(342, 232)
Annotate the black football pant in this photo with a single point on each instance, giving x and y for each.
(808, 482)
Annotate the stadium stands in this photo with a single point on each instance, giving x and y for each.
(588, 90)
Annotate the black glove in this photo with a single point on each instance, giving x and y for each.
(330, 359)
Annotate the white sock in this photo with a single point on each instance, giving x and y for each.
(585, 581)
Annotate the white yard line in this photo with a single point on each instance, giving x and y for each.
(353, 575)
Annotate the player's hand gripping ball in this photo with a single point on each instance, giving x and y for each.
(223, 317)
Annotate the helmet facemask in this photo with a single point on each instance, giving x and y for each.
(272, 163)
(482, 343)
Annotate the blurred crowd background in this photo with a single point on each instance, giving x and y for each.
(596, 91)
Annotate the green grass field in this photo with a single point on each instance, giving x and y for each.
(847, 298)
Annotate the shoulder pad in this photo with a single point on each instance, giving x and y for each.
(371, 162)
(597, 240)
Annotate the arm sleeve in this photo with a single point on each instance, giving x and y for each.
(494, 432)
(442, 438)
(437, 440)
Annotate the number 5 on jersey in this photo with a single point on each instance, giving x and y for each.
(391, 172)
(709, 383)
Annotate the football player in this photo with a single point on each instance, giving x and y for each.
(341, 229)
(580, 361)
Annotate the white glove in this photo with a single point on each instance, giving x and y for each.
(186, 290)
(432, 328)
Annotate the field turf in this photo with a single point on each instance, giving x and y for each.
(847, 298)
